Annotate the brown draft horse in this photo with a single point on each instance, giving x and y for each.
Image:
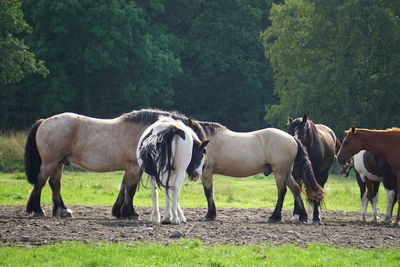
(384, 143)
(94, 144)
(321, 144)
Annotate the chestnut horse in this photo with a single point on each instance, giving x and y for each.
(94, 144)
(383, 143)
(321, 144)
(372, 170)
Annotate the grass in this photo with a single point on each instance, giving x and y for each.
(12, 147)
(192, 253)
(84, 188)
(91, 189)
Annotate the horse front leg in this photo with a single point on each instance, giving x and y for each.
(116, 209)
(130, 180)
(206, 179)
(59, 209)
(391, 200)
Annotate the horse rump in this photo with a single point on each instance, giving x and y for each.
(303, 171)
(156, 153)
(32, 156)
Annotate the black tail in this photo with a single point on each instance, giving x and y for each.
(303, 169)
(32, 157)
(157, 154)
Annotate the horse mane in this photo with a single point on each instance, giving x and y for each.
(390, 130)
(149, 116)
(210, 127)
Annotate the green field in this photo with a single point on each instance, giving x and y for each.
(81, 188)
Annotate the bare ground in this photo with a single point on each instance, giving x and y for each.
(233, 226)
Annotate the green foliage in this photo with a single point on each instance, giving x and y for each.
(337, 61)
(226, 77)
(16, 61)
(190, 253)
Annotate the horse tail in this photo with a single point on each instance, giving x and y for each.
(157, 154)
(303, 168)
(32, 156)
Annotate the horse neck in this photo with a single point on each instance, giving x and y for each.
(379, 143)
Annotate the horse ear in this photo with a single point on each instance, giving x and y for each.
(353, 129)
(203, 145)
(289, 120)
(304, 118)
(190, 122)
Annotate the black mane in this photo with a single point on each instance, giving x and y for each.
(149, 116)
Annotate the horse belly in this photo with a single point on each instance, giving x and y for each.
(240, 169)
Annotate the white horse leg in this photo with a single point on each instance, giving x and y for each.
(364, 205)
(374, 201)
(167, 207)
(178, 179)
(155, 213)
(390, 194)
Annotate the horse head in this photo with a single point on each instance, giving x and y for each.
(347, 167)
(351, 145)
(196, 165)
(301, 128)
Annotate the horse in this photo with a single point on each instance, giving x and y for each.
(165, 150)
(98, 145)
(321, 144)
(244, 154)
(383, 143)
(371, 170)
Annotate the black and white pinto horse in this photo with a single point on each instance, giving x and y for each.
(321, 144)
(167, 149)
(372, 170)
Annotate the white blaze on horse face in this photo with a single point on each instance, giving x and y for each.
(296, 133)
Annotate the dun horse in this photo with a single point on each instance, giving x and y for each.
(93, 144)
(383, 143)
(245, 154)
(321, 143)
(166, 149)
(371, 170)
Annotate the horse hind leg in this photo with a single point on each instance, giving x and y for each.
(155, 213)
(280, 180)
(59, 209)
(299, 205)
(33, 204)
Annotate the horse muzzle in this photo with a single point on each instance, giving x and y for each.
(194, 177)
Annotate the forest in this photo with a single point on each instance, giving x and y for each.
(248, 64)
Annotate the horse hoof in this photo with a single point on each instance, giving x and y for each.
(38, 213)
(165, 222)
(316, 222)
(63, 213)
(273, 219)
(207, 219)
(134, 217)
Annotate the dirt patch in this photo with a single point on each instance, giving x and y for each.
(233, 226)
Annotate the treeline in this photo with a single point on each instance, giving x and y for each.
(247, 64)
(107, 57)
(338, 61)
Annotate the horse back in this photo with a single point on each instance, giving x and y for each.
(94, 144)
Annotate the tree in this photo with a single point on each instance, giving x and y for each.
(337, 61)
(226, 77)
(16, 61)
